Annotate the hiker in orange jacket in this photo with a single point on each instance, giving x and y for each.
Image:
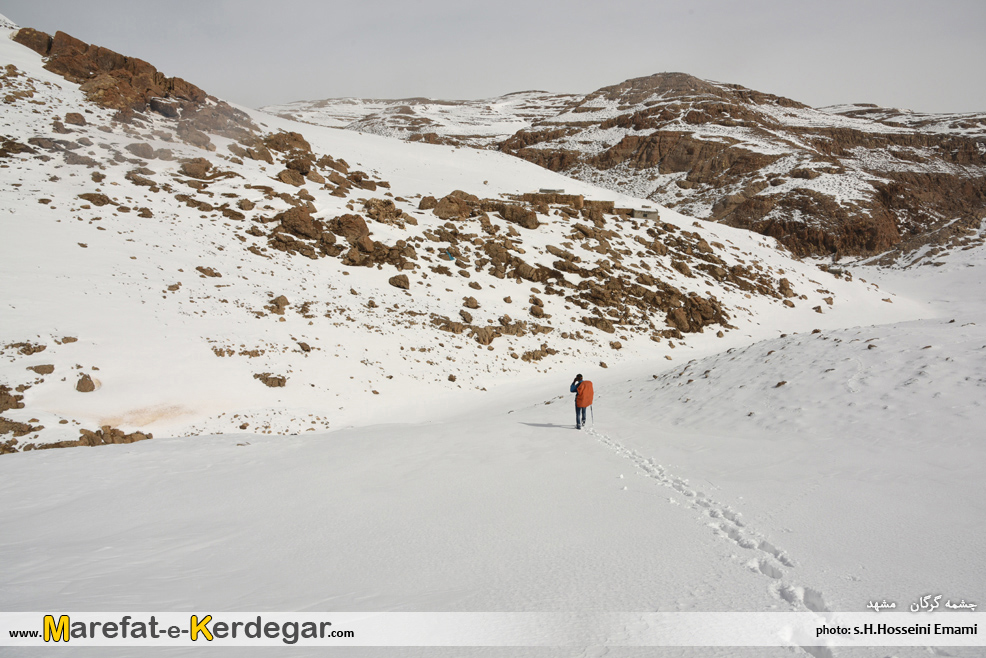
(583, 399)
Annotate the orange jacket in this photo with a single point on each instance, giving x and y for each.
(583, 395)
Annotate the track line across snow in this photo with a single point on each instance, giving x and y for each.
(767, 559)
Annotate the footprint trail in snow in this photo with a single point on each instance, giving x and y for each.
(765, 557)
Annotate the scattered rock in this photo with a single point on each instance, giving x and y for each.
(400, 281)
(196, 168)
(298, 221)
(141, 150)
(8, 400)
(784, 287)
(85, 384)
(291, 177)
(270, 380)
(520, 215)
(599, 323)
(96, 199)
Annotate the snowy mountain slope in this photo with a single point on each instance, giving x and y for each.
(858, 479)
(969, 124)
(857, 449)
(479, 123)
(854, 179)
(158, 256)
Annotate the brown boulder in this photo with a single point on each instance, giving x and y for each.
(696, 313)
(287, 141)
(105, 436)
(520, 215)
(9, 400)
(164, 108)
(400, 281)
(75, 119)
(451, 208)
(196, 168)
(188, 133)
(599, 323)
(784, 287)
(682, 267)
(298, 220)
(43, 370)
(351, 227)
(270, 380)
(291, 177)
(39, 42)
(483, 335)
(427, 203)
(382, 210)
(95, 198)
(85, 384)
(141, 150)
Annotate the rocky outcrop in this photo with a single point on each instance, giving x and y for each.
(129, 85)
(904, 182)
(108, 78)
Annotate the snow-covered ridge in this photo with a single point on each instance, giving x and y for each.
(480, 123)
(846, 179)
(7, 24)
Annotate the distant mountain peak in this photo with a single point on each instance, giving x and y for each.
(638, 89)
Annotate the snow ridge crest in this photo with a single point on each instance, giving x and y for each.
(7, 24)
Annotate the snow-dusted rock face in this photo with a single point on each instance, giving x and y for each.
(856, 180)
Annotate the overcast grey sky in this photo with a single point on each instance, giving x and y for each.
(922, 55)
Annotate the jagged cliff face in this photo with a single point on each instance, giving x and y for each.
(848, 180)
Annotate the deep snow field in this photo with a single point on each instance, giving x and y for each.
(777, 468)
(708, 488)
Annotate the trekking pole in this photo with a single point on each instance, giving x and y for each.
(592, 415)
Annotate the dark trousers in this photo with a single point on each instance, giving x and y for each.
(579, 417)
